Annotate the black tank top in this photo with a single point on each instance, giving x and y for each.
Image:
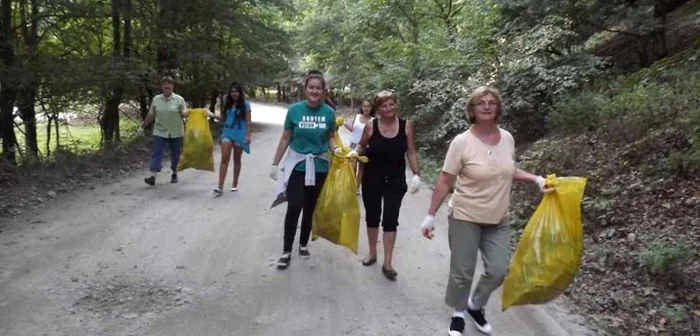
(387, 156)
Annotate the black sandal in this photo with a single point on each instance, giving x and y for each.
(389, 274)
(369, 262)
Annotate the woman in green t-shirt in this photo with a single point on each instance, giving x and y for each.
(309, 131)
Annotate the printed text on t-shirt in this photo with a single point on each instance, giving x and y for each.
(312, 122)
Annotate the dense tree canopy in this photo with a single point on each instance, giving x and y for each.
(92, 56)
(606, 89)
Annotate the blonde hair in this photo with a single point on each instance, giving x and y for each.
(383, 96)
(479, 93)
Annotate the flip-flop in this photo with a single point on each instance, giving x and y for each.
(389, 274)
(369, 262)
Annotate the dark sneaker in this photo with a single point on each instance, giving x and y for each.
(150, 180)
(217, 192)
(304, 252)
(479, 319)
(456, 326)
(283, 261)
(173, 178)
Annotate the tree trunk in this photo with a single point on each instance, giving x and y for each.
(212, 100)
(48, 136)
(145, 98)
(143, 106)
(279, 93)
(28, 92)
(57, 125)
(128, 40)
(448, 10)
(8, 90)
(110, 117)
(166, 58)
(27, 99)
(7, 131)
(658, 41)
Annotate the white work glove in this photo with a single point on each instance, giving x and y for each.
(415, 184)
(210, 114)
(140, 131)
(541, 184)
(273, 172)
(427, 227)
(337, 150)
(353, 154)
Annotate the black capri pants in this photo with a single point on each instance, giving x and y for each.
(389, 191)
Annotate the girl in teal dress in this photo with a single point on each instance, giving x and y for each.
(235, 135)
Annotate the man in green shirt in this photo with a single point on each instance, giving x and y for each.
(168, 110)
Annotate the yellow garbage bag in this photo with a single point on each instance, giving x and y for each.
(337, 214)
(197, 151)
(549, 253)
(339, 122)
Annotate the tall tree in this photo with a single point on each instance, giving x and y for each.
(110, 117)
(8, 88)
(30, 77)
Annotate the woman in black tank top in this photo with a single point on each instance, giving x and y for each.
(388, 140)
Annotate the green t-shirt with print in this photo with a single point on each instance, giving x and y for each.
(310, 128)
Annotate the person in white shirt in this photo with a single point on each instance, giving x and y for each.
(363, 116)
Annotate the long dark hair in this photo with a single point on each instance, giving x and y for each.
(371, 107)
(240, 104)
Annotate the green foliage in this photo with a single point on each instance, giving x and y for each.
(76, 137)
(662, 258)
(542, 63)
(675, 314)
(665, 95)
(430, 169)
(434, 53)
(549, 156)
(573, 113)
(80, 53)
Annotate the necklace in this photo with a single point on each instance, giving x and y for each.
(483, 140)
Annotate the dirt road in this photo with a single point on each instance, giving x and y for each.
(127, 259)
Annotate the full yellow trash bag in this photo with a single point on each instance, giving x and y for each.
(337, 214)
(549, 252)
(197, 151)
